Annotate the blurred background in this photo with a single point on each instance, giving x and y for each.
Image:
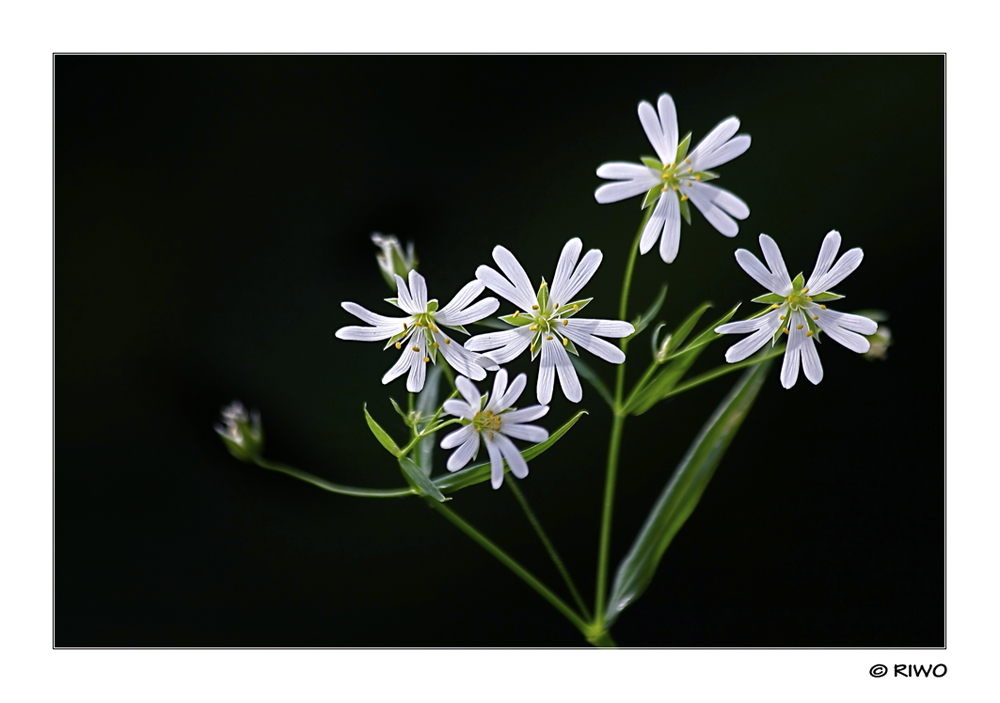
(212, 212)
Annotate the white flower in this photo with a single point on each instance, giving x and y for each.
(677, 176)
(495, 424)
(419, 334)
(797, 309)
(545, 321)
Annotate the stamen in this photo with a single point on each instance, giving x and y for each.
(544, 283)
(808, 298)
(799, 327)
(822, 307)
(664, 189)
(447, 341)
(416, 349)
(781, 317)
(789, 299)
(549, 336)
(565, 341)
(436, 345)
(815, 317)
(689, 184)
(398, 345)
(785, 330)
(675, 188)
(556, 306)
(670, 166)
(684, 197)
(516, 313)
(687, 161)
(804, 291)
(426, 359)
(809, 333)
(698, 177)
(533, 327)
(404, 326)
(534, 307)
(665, 176)
(576, 308)
(775, 307)
(690, 169)
(565, 322)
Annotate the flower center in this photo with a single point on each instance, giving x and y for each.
(674, 174)
(486, 421)
(798, 299)
(425, 319)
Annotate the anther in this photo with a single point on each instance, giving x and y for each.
(670, 166)
(822, 307)
(785, 330)
(815, 317)
(533, 327)
(789, 299)
(799, 327)
(664, 189)
(576, 308)
(804, 291)
(687, 161)
(808, 298)
(436, 345)
(684, 197)
(404, 326)
(675, 187)
(544, 283)
(447, 341)
(809, 333)
(689, 184)
(548, 336)
(398, 345)
(556, 306)
(516, 313)
(534, 307)
(698, 177)
(775, 306)
(565, 322)
(690, 169)
(426, 359)
(565, 341)
(781, 317)
(416, 349)
(665, 176)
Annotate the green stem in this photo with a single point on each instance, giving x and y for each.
(507, 561)
(533, 519)
(334, 487)
(615, 443)
(722, 371)
(429, 430)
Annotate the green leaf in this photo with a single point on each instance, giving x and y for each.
(686, 211)
(652, 195)
(381, 435)
(651, 162)
(570, 347)
(402, 414)
(640, 323)
(682, 332)
(828, 295)
(655, 338)
(493, 324)
(427, 405)
(682, 148)
(515, 318)
(392, 301)
(417, 478)
(708, 334)
(584, 369)
(662, 384)
(682, 492)
(481, 472)
(770, 298)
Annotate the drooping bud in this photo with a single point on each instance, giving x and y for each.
(391, 259)
(241, 432)
(880, 343)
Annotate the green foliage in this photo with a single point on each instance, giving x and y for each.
(381, 435)
(651, 162)
(421, 481)
(642, 321)
(652, 195)
(589, 375)
(682, 493)
(682, 148)
(686, 211)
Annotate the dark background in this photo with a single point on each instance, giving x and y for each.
(213, 212)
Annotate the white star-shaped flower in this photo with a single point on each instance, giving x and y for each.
(496, 425)
(677, 176)
(798, 309)
(545, 321)
(419, 334)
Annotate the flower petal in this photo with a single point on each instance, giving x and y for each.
(418, 369)
(622, 190)
(513, 393)
(499, 386)
(568, 258)
(546, 376)
(584, 272)
(776, 263)
(651, 232)
(719, 135)
(601, 328)
(461, 359)
(714, 214)
(725, 153)
(462, 299)
(568, 379)
(843, 328)
(418, 290)
(459, 408)
(371, 318)
(502, 287)
(518, 466)
(404, 298)
(790, 368)
(400, 367)
(758, 272)
(723, 199)
(654, 132)
(598, 347)
(459, 436)
(512, 268)
(503, 346)
(496, 462)
(769, 324)
(627, 171)
(668, 125)
(473, 313)
(528, 433)
(810, 362)
(469, 391)
(827, 253)
(671, 240)
(461, 456)
(528, 414)
(355, 333)
(841, 270)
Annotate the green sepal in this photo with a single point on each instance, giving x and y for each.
(683, 491)
(652, 195)
(642, 321)
(432, 353)
(589, 375)
(481, 472)
(395, 338)
(392, 301)
(402, 413)
(685, 210)
(651, 162)
(492, 324)
(543, 295)
(536, 345)
(568, 311)
(457, 327)
(419, 480)
(570, 347)
(798, 282)
(432, 305)
(381, 435)
(706, 175)
(823, 297)
(770, 298)
(516, 319)
(682, 148)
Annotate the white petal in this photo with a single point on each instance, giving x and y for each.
(768, 325)
(740, 326)
(625, 171)
(400, 367)
(529, 433)
(598, 347)
(502, 287)
(622, 190)
(355, 333)
(469, 391)
(460, 457)
(779, 273)
(714, 214)
(841, 270)
(418, 291)
(601, 328)
(796, 337)
(461, 300)
(528, 414)
(403, 296)
(499, 386)
(810, 361)
(564, 268)
(719, 135)
(723, 199)
(512, 268)
(459, 408)
(587, 268)
(751, 264)
(827, 253)
(461, 359)
(503, 346)
(654, 132)
(518, 466)
(790, 368)
(459, 436)
(496, 463)
(513, 393)
(568, 379)
(546, 376)
(418, 368)
(473, 313)
(668, 125)
(372, 318)
(725, 153)
(671, 240)
(651, 232)
(839, 330)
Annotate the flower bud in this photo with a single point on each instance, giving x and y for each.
(242, 432)
(880, 343)
(391, 259)
(663, 350)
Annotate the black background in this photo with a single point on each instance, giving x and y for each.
(213, 212)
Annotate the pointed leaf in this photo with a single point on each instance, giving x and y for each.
(588, 374)
(402, 413)
(682, 332)
(709, 334)
(662, 384)
(642, 321)
(481, 472)
(418, 479)
(770, 298)
(381, 435)
(681, 495)
(655, 338)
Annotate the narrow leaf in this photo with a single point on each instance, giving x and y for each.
(517, 319)
(770, 298)
(402, 413)
(416, 476)
(662, 384)
(829, 295)
(708, 334)
(640, 323)
(481, 472)
(584, 369)
(682, 332)
(381, 435)
(682, 492)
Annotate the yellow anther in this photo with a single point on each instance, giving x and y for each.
(690, 169)
(532, 347)
(516, 313)
(416, 349)
(815, 317)
(556, 306)
(684, 197)
(565, 322)
(533, 327)
(775, 307)
(785, 330)
(822, 307)
(789, 299)
(404, 326)
(426, 359)
(799, 327)
(804, 291)
(675, 187)
(698, 177)
(447, 341)
(534, 307)
(664, 189)
(781, 317)
(576, 308)
(665, 176)
(809, 299)
(398, 345)
(669, 166)
(687, 161)
(565, 341)
(548, 336)
(809, 333)
(544, 283)
(418, 324)
(436, 345)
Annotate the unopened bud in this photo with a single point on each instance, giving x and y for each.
(880, 343)
(663, 349)
(391, 259)
(241, 432)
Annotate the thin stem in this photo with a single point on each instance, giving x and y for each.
(722, 371)
(334, 487)
(426, 433)
(615, 443)
(507, 561)
(533, 519)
